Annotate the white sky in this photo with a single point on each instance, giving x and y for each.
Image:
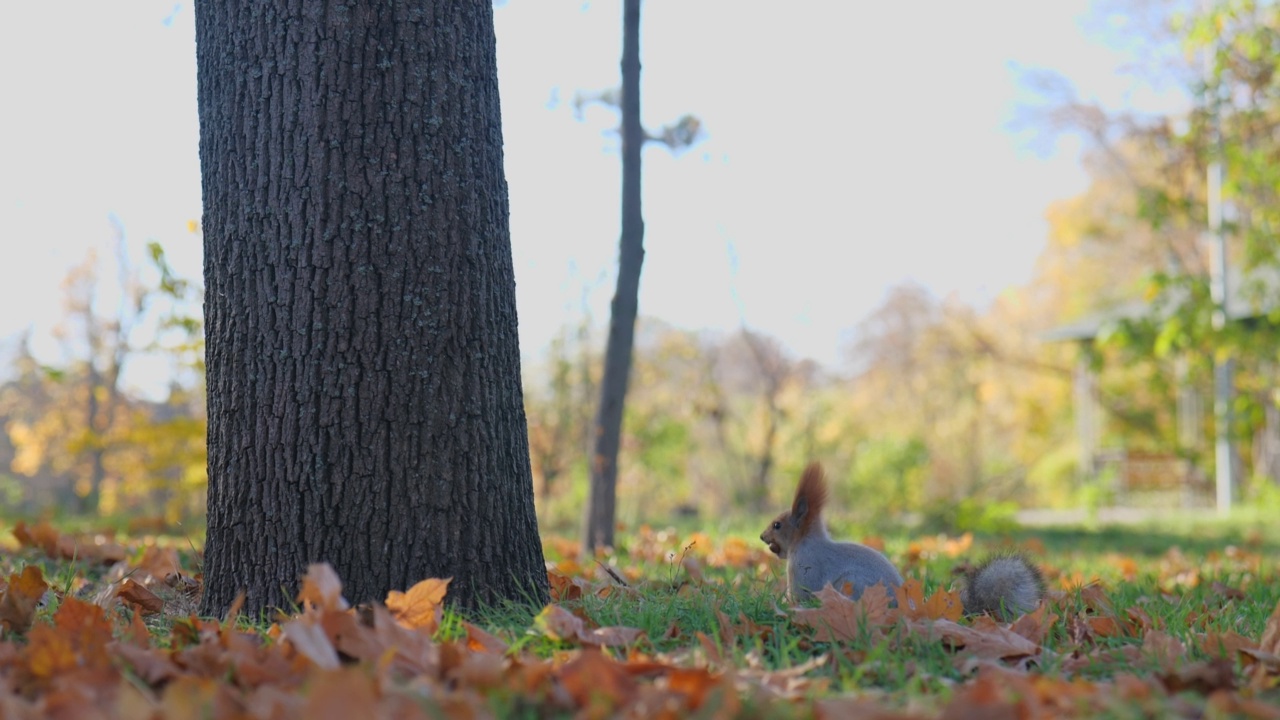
(848, 147)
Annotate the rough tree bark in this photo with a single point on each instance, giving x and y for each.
(601, 506)
(365, 406)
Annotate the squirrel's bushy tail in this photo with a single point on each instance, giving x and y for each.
(1004, 586)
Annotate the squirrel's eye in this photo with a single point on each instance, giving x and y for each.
(777, 525)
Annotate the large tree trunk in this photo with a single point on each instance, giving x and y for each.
(602, 505)
(365, 406)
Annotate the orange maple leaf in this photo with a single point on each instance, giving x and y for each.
(20, 597)
(420, 606)
(912, 604)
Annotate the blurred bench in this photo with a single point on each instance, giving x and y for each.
(1154, 479)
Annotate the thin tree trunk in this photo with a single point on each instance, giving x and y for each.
(602, 506)
(364, 396)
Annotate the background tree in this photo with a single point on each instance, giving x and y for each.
(602, 503)
(1135, 239)
(364, 374)
(78, 435)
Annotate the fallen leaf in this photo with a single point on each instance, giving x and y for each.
(159, 563)
(1270, 641)
(1202, 677)
(564, 587)
(559, 624)
(20, 598)
(310, 639)
(340, 695)
(598, 685)
(322, 588)
(986, 639)
(910, 598)
(1035, 625)
(1166, 650)
(140, 597)
(697, 684)
(1103, 626)
(840, 618)
(1225, 644)
(420, 606)
(153, 666)
(1140, 620)
(1226, 592)
(479, 640)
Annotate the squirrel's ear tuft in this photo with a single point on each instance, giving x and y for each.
(811, 495)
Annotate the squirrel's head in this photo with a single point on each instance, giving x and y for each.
(784, 531)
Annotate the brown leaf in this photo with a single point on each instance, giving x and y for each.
(1229, 704)
(1103, 626)
(840, 618)
(1270, 641)
(153, 666)
(856, 707)
(420, 607)
(184, 584)
(160, 563)
(559, 624)
(985, 639)
(1140, 620)
(322, 588)
(48, 653)
(1035, 626)
(88, 629)
(1264, 664)
(1096, 599)
(1165, 649)
(598, 685)
(341, 695)
(20, 598)
(483, 642)
(750, 628)
(140, 597)
(136, 633)
(307, 635)
(477, 670)
(612, 636)
(696, 684)
(189, 696)
(1225, 644)
(994, 695)
(709, 646)
(728, 636)
(1202, 677)
(1227, 592)
(564, 587)
(1079, 630)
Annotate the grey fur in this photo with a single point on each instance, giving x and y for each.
(1005, 586)
(817, 561)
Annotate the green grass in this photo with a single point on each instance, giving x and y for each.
(1180, 573)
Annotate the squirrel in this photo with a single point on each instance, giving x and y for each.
(1004, 585)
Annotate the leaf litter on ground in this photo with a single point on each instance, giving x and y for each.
(708, 639)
